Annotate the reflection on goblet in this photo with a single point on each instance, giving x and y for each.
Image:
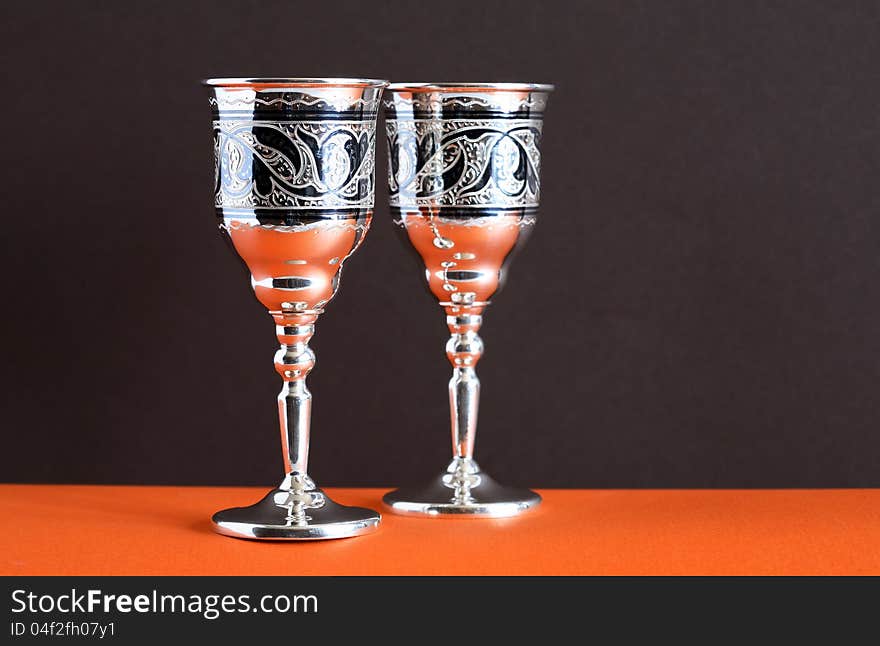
(464, 182)
(294, 188)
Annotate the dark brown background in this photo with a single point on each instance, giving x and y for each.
(698, 307)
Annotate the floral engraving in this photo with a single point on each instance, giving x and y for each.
(294, 164)
(464, 162)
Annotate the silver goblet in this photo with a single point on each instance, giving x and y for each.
(464, 182)
(294, 188)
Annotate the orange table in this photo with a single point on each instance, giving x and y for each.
(94, 530)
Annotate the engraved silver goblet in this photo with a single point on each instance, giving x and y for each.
(464, 183)
(294, 187)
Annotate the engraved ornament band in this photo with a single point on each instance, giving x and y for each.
(454, 150)
(302, 149)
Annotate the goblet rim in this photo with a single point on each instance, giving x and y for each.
(468, 87)
(294, 82)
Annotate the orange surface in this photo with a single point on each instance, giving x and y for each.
(94, 530)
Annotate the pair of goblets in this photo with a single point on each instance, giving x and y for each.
(294, 189)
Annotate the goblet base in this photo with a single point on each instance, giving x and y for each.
(267, 520)
(485, 498)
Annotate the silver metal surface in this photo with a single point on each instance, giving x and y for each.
(296, 510)
(464, 182)
(294, 82)
(463, 491)
(294, 187)
(458, 88)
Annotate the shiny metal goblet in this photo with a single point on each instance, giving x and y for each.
(294, 188)
(464, 183)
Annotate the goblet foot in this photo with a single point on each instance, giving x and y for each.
(289, 516)
(462, 491)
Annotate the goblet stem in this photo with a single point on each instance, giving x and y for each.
(463, 489)
(293, 362)
(464, 350)
(297, 509)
